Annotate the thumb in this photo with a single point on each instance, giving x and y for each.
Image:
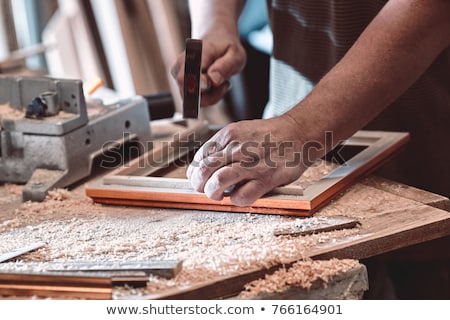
(231, 63)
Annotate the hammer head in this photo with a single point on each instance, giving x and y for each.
(192, 74)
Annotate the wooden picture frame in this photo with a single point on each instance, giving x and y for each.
(134, 185)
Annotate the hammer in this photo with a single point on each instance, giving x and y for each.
(194, 80)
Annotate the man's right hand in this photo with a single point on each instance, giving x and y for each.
(222, 57)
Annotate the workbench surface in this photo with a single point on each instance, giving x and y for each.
(221, 251)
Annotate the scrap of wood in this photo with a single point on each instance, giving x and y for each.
(317, 224)
(20, 251)
(68, 284)
(80, 286)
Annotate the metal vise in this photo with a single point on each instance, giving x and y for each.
(49, 135)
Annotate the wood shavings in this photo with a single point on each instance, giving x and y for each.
(302, 274)
(9, 194)
(14, 189)
(58, 194)
(7, 112)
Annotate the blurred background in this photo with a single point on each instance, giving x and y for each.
(129, 44)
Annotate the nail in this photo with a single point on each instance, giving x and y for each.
(216, 78)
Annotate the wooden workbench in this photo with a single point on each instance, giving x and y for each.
(389, 218)
(222, 252)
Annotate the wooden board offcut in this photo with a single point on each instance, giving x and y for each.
(125, 187)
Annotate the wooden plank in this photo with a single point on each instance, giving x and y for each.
(140, 42)
(161, 268)
(55, 285)
(55, 292)
(409, 192)
(380, 146)
(379, 238)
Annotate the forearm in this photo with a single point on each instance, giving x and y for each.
(390, 55)
(208, 14)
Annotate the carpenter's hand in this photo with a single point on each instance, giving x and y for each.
(249, 158)
(222, 57)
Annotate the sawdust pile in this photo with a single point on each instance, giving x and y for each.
(7, 112)
(301, 274)
(14, 189)
(58, 195)
(10, 194)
